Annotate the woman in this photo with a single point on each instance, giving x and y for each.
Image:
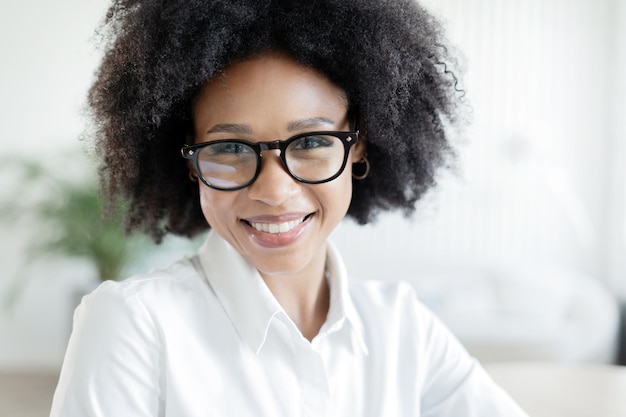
(288, 115)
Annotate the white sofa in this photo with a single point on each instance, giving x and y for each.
(524, 312)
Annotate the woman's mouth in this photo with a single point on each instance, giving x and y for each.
(275, 228)
(272, 232)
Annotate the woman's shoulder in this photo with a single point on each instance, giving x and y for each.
(157, 285)
(379, 303)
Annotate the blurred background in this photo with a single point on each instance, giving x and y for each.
(520, 249)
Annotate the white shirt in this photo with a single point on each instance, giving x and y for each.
(205, 337)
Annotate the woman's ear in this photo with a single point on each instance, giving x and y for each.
(359, 151)
(190, 167)
(190, 139)
(360, 163)
(193, 175)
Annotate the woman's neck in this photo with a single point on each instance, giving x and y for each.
(304, 296)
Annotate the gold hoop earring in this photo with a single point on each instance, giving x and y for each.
(366, 169)
(193, 177)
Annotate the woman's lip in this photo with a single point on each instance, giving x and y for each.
(270, 235)
(274, 228)
(277, 219)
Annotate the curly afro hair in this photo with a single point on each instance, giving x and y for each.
(387, 55)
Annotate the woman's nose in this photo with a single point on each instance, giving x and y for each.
(274, 185)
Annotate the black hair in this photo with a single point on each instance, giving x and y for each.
(387, 55)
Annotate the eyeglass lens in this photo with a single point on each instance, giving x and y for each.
(309, 158)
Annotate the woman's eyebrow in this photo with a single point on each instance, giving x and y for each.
(295, 125)
(230, 128)
(309, 123)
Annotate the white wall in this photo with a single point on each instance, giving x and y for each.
(47, 64)
(541, 161)
(615, 253)
(541, 177)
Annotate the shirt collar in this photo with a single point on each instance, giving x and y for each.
(342, 311)
(250, 304)
(240, 288)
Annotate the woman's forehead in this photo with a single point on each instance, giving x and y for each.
(269, 85)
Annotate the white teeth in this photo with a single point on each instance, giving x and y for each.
(275, 228)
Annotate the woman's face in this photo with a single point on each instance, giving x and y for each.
(266, 98)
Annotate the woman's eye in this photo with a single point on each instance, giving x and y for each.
(230, 148)
(312, 142)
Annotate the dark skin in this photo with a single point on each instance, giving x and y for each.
(387, 57)
(278, 224)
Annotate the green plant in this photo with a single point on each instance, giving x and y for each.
(68, 214)
(81, 230)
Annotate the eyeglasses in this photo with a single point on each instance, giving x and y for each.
(233, 164)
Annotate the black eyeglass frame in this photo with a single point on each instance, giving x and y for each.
(348, 139)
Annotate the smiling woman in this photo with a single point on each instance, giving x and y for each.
(282, 134)
(272, 96)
